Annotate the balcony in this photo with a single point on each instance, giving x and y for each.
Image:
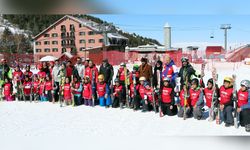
(71, 45)
(63, 29)
(68, 37)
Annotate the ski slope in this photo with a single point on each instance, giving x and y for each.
(46, 119)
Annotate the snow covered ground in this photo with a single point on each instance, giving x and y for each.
(46, 119)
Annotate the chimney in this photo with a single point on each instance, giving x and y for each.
(167, 36)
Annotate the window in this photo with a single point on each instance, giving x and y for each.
(46, 35)
(63, 35)
(82, 33)
(82, 48)
(54, 42)
(55, 50)
(64, 50)
(72, 27)
(46, 42)
(72, 42)
(101, 40)
(80, 25)
(54, 35)
(38, 43)
(72, 34)
(46, 50)
(91, 33)
(38, 50)
(63, 42)
(63, 27)
(82, 41)
(91, 41)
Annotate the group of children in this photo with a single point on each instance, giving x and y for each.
(137, 93)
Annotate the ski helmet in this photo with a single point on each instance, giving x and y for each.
(136, 67)
(210, 81)
(116, 80)
(142, 79)
(184, 59)
(245, 83)
(228, 79)
(123, 64)
(195, 81)
(146, 84)
(101, 77)
(166, 79)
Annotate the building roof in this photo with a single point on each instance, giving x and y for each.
(214, 49)
(116, 35)
(87, 23)
(150, 48)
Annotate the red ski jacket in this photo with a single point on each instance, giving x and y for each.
(226, 95)
(27, 87)
(117, 89)
(208, 96)
(87, 91)
(101, 89)
(7, 89)
(242, 98)
(142, 91)
(132, 90)
(167, 95)
(48, 85)
(67, 91)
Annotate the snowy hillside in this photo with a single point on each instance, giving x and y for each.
(14, 29)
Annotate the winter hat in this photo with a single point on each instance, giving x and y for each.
(210, 81)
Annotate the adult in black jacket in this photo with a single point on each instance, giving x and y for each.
(107, 70)
(158, 68)
(186, 71)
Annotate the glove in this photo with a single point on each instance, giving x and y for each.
(106, 96)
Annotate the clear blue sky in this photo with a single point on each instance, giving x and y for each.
(191, 20)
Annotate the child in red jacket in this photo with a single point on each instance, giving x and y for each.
(35, 88)
(118, 89)
(184, 94)
(8, 89)
(87, 92)
(27, 87)
(67, 96)
(168, 106)
(101, 91)
(48, 88)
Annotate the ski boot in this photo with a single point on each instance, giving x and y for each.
(247, 128)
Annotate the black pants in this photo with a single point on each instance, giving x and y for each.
(78, 100)
(228, 114)
(137, 102)
(146, 105)
(245, 117)
(49, 95)
(165, 107)
(116, 102)
(27, 97)
(56, 91)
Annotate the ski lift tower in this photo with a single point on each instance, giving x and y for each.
(225, 27)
